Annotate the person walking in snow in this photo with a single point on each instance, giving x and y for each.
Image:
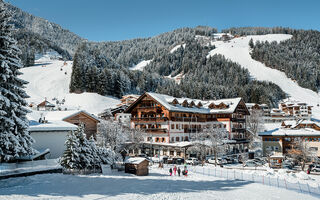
(175, 170)
(179, 171)
(170, 171)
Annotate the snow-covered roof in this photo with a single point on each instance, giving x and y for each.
(291, 132)
(176, 144)
(62, 115)
(166, 100)
(290, 123)
(134, 160)
(35, 126)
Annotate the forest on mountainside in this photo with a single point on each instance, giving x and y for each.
(298, 57)
(36, 35)
(96, 69)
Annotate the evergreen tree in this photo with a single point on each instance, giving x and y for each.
(15, 140)
(251, 44)
(79, 153)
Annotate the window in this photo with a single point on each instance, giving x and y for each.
(157, 139)
(177, 139)
(172, 139)
(172, 126)
(163, 139)
(224, 126)
(186, 138)
(171, 153)
(178, 153)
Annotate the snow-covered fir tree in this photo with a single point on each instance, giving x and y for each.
(15, 140)
(81, 153)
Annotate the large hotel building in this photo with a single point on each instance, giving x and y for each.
(170, 122)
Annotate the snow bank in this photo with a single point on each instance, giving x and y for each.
(237, 50)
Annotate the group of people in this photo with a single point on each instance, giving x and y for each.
(177, 169)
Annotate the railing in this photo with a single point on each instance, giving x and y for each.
(9, 169)
(239, 130)
(149, 119)
(156, 130)
(188, 119)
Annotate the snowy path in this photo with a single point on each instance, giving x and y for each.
(46, 80)
(158, 185)
(237, 50)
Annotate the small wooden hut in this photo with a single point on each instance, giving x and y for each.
(137, 166)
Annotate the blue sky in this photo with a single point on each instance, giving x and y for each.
(105, 20)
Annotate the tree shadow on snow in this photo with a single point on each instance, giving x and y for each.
(79, 186)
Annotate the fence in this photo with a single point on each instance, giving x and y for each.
(231, 174)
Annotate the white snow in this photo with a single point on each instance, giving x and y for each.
(177, 47)
(140, 65)
(158, 185)
(237, 50)
(134, 160)
(46, 80)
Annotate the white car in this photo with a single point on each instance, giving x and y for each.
(251, 163)
(219, 161)
(192, 161)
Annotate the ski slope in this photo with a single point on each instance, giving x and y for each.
(47, 80)
(237, 50)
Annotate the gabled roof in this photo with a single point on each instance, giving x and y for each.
(166, 101)
(63, 115)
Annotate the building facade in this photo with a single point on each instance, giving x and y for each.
(167, 119)
(280, 140)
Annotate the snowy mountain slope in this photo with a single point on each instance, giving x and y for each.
(140, 65)
(237, 50)
(46, 80)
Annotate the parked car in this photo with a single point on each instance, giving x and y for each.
(260, 161)
(315, 168)
(251, 163)
(192, 161)
(220, 161)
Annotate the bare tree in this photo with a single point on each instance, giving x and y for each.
(301, 151)
(254, 126)
(113, 135)
(213, 138)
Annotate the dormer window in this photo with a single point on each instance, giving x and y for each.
(212, 106)
(185, 103)
(175, 101)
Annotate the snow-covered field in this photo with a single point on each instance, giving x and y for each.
(47, 80)
(158, 185)
(237, 50)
